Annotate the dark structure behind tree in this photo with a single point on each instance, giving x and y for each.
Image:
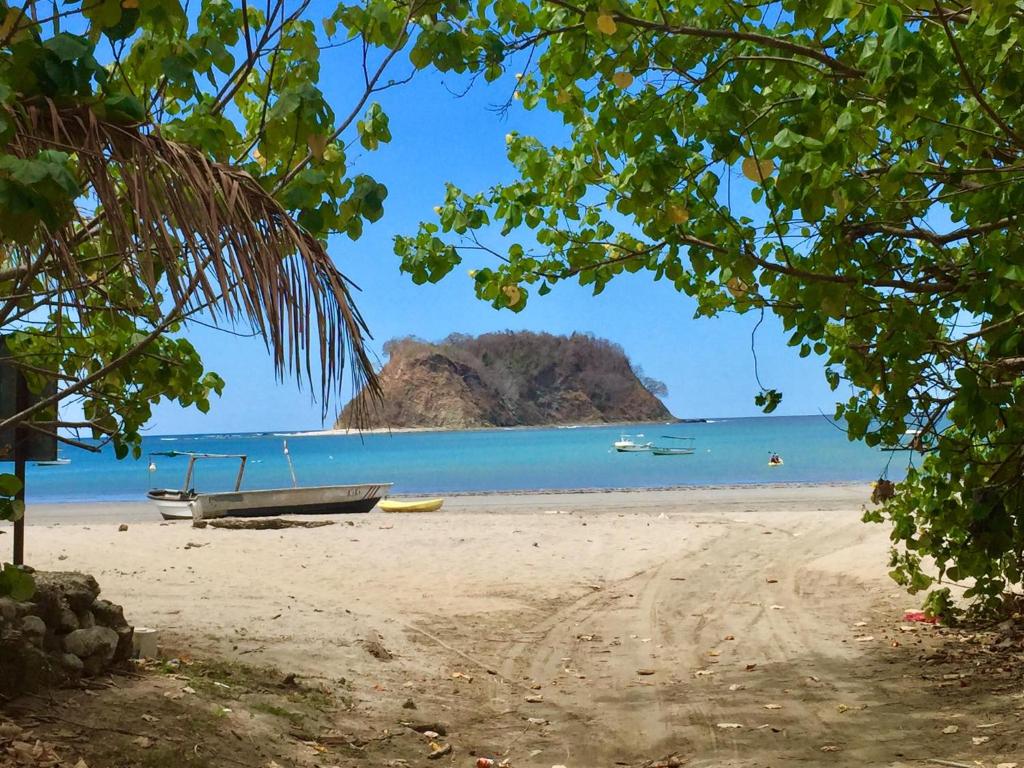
(20, 443)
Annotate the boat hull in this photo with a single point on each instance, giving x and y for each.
(320, 500)
(672, 451)
(172, 505)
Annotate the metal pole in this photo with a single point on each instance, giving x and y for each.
(20, 448)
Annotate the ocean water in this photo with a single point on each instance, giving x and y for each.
(728, 451)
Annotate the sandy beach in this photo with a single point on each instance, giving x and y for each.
(731, 626)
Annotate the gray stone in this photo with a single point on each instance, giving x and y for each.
(92, 666)
(125, 647)
(98, 642)
(8, 609)
(34, 630)
(108, 615)
(86, 620)
(68, 621)
(72, 663)
(79, 590)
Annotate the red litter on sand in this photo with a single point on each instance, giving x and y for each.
(920, 616)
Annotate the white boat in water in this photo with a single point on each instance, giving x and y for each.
(58, 461)
(626, 444)
(188, 504)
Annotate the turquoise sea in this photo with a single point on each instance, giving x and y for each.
(728, 451)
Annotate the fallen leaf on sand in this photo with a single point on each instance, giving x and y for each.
(842, 707)
(438, 750)
(979, 740)
(645, 671)
(188, 689)
(951, 729)
(714, 653)
(462, 676)
(772, 581)
(775, 607)
(830, 748)
(860, 624)
(534, 698)
(149, 718)
(1006, 765)
(751, 667)
(143, 741)
(703, 672)
(536, 721)
(730, 725)
(729, 637)
(863, 639)
(737, 687)
(81, 764)
(989, 725)
(773, 706)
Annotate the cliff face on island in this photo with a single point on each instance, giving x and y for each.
(509, 379)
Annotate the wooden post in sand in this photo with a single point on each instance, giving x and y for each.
(20, 456)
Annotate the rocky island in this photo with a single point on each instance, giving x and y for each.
(509, 379)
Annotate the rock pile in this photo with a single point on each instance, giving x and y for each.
(62, 633)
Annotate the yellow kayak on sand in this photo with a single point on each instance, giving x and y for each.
(425, 505)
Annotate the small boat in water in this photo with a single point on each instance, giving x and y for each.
(424, 505)
(626, 444)
(678, 450)
(60, 461)
(188, 504)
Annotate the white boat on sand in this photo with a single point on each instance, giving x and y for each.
(188, 504)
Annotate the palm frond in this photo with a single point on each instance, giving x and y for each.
(208, 231)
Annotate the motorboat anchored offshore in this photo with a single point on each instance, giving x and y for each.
(626, 444)
(188, 504)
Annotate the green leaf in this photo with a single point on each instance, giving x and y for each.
(16, 583)
(9, 485)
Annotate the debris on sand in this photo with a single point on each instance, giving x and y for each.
(376, 648)
(438, 751)
(423, 727)
(261, 524)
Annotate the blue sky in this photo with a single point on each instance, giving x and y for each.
(706, 363)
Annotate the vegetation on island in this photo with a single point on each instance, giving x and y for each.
(855, 168)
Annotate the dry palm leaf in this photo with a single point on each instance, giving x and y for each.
(220, 242)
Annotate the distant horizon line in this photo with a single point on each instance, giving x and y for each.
(286, 432)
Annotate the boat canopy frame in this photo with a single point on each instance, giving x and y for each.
(194, 457)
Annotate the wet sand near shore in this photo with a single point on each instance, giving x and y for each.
(730, 626)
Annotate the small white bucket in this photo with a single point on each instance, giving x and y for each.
(144, 642)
